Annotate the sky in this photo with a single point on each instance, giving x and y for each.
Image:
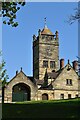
(17, 42)
(52, 0)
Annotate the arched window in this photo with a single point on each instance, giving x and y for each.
(45, 96)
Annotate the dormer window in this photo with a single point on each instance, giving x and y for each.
(51, 38)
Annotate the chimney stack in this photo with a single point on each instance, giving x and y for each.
(61, 63)
(75, 65)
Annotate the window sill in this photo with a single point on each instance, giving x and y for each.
(69, 85)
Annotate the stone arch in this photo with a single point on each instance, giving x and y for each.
(44, 96)
(21, 92)
(19, 79)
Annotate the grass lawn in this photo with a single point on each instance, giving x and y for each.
(42, 109)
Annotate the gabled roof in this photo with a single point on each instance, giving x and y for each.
(21, 72)
(68, 67)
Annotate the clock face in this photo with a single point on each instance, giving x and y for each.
(48, 51)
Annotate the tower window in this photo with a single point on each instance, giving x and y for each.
(52, 64)
(51, 38)
(43, 36)
(45, 63)
(68, 81)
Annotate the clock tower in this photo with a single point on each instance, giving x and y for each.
(45, 52)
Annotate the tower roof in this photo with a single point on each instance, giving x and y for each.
(45, 30)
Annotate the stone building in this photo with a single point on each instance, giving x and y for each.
(51, 78)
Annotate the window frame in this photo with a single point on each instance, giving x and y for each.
(52, 64)
(45, 63)
(69, 82)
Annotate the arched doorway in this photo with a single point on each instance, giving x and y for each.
(45, 96)
(21, 92)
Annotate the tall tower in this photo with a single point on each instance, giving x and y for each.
(45, 52)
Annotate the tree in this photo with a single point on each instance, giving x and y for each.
(76, 16)
(72, 19)
(9, 11)
(3, 76)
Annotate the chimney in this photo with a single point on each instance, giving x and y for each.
(61, 63)
(75, 65)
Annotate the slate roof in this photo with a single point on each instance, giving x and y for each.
(53, 75)
(48, 87)
(39, 82)
(46, 31)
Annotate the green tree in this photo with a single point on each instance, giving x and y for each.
(3, 76)
(9, 11)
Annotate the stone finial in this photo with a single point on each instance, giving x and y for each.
(16, 72)
(45, 25)
(69, 67)
(34, 37)
(57, 34)
(39, 32)
(68, 61)
(21, 69)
